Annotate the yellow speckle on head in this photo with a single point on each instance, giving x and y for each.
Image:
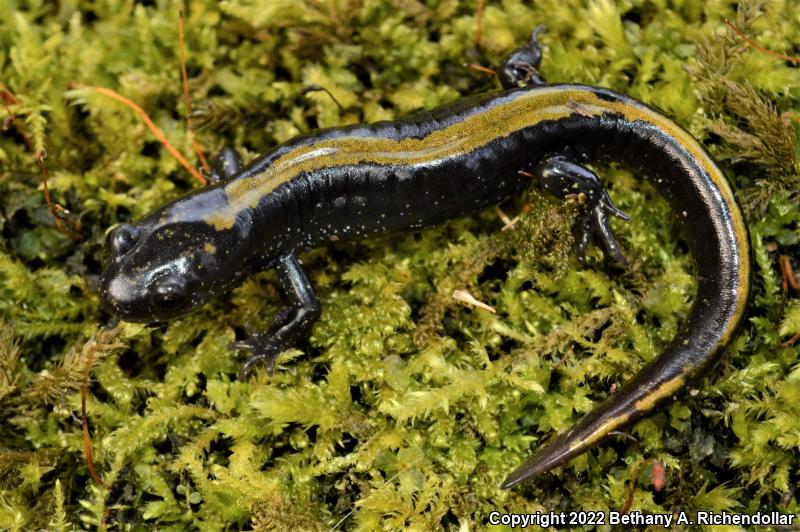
(221, 219)
(209, 248)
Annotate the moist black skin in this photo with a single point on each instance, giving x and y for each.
(204, 243)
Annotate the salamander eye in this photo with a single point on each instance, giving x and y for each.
(170, 294)
(121, 239)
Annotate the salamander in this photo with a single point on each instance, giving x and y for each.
(410, 173)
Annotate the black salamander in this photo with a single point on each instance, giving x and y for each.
(411, 173)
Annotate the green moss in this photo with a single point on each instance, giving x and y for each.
(406, 408)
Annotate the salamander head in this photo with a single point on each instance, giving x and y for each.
(168, 264)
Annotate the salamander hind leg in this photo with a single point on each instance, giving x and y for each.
(561, 176)
(521, 67)
(291, 325)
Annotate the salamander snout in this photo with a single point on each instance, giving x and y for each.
(145, 298)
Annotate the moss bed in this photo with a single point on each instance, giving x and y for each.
(405, 409)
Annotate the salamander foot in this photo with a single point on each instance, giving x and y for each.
(561, 176)
(290, 325)
(521, 67)
(226, 164)
(262, 351)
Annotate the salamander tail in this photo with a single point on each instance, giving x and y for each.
(656, 383)
(654, 146)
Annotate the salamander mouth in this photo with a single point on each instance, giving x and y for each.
(130, 318)
(140, 312)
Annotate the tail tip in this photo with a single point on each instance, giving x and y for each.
(527, 471)
(510, 482)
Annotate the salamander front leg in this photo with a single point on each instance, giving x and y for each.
(561, 177)
(226, 164)
(291, 325)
